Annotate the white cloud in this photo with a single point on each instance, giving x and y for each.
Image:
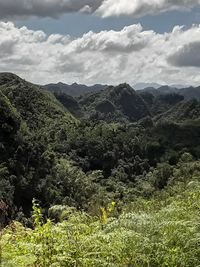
(138, 8)
(129, 39)
(132, 55)
(104, 8)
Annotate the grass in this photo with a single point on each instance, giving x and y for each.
(163, 231)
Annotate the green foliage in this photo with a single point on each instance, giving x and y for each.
(32, 125)
(114, 104)
(105, 212)
(51, 156)
(160, 103)
(186, 110)
(119, 188)
(161, 231)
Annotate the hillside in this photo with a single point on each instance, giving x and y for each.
(32, 122)
(115, 104)
(37, 107)
(184, 110)
(190, 93)
(70, 103)
(160, 103)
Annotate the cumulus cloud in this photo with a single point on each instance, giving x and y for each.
(129, 39)
(132, 55)
(186, 56)
(104, 8)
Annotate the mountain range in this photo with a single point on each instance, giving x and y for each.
(77, 90)
(188, 92)
(80, 150)
(74, 89)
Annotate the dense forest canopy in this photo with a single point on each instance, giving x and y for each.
(115, 145)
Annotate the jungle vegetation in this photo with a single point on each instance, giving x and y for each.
(109, 178)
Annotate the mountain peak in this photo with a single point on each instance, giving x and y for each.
(75, 84)
(8, 77)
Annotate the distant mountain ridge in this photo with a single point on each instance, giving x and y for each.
(77, 90)
(188, 92)
(141, 86)
(74, 89)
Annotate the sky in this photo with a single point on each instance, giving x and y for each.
(101, 41)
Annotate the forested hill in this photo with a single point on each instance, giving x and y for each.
(115, 103)
(123, 104)
(36, 107)
(113, 137)
(32, 121)
(117, 170)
